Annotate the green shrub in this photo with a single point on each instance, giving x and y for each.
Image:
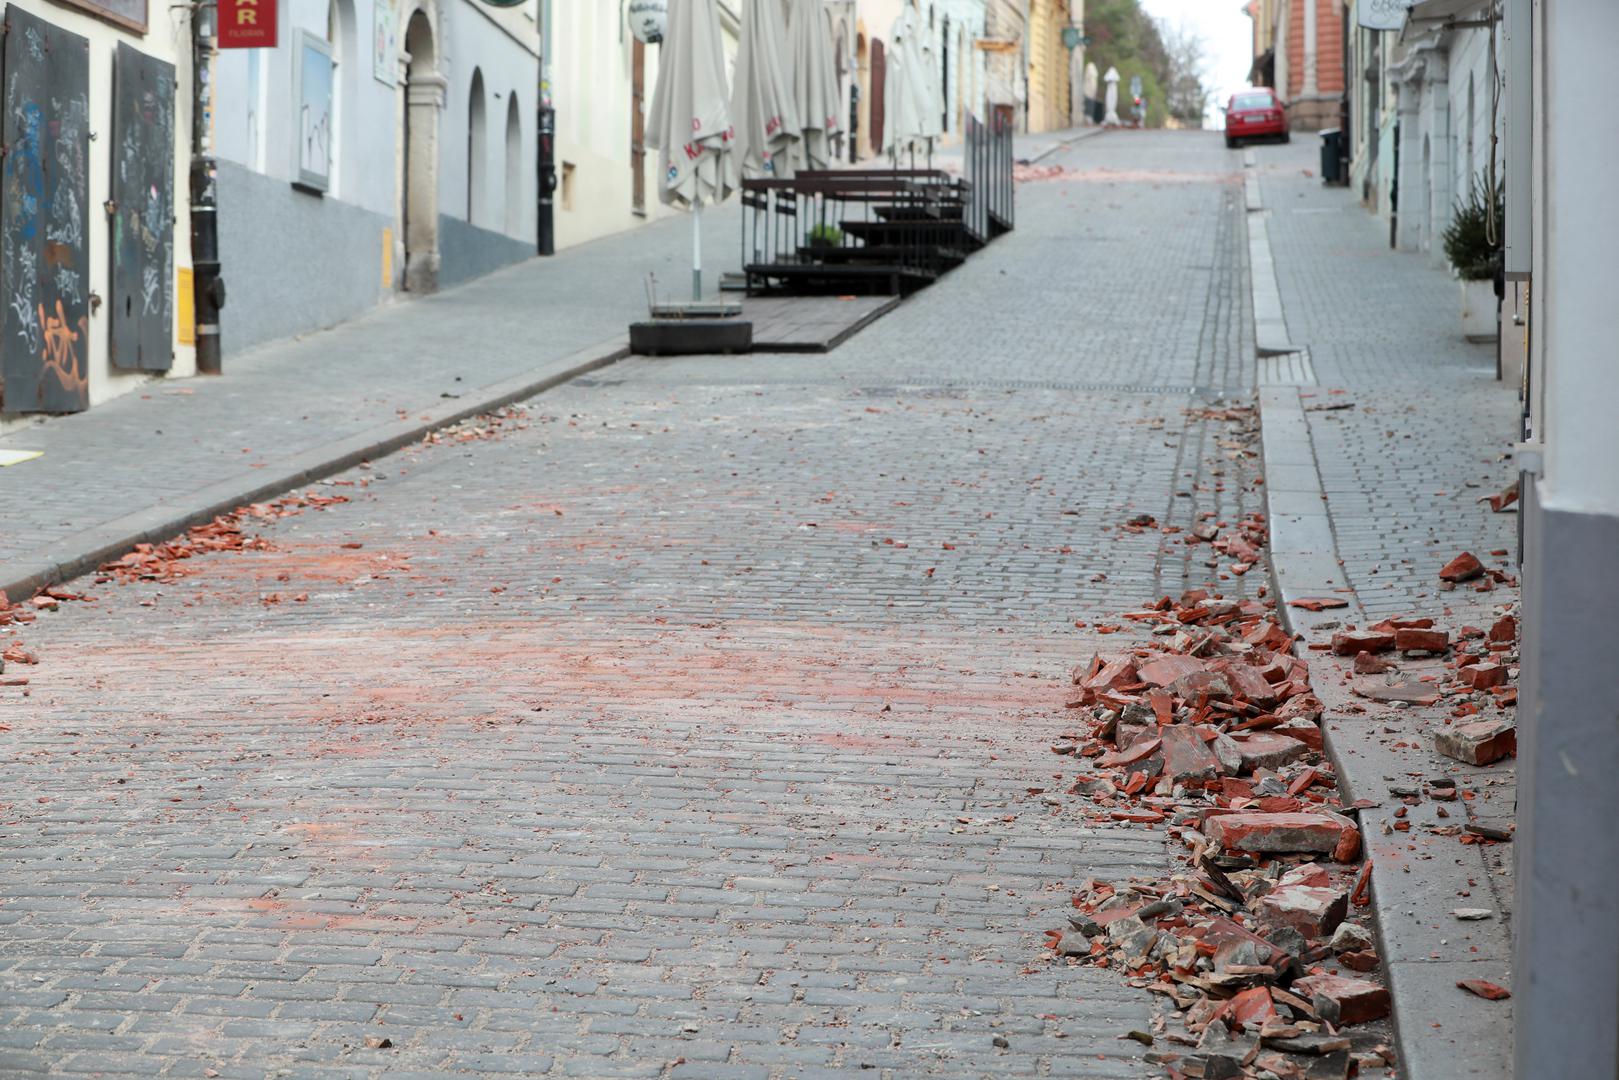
(825, 236)
(1468, 243)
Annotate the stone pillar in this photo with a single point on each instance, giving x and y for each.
(1566, 912)
(1436, 98)
(1308, 88)
(1283, 14)
(1413, 198)
(424, 97)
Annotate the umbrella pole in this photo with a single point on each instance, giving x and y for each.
(697, 250)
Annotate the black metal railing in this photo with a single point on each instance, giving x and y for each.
(989, 161)
(870, 230)
(884, 231)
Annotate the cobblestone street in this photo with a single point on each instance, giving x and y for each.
(695, 724)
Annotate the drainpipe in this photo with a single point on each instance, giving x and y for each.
(208, 286)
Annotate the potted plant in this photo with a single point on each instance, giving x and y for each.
(825, 236)
(1473, 246)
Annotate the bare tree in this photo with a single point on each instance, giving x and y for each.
(1186, 60)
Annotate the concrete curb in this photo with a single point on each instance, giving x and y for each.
(1063, 144)
(1270, 321)
(1440, 1033)
(87, 550)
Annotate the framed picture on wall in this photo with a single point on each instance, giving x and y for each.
(312, 108)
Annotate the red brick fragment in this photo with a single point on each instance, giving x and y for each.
(1505, 629)
(1305, 731)
(1187, 756)
(1485, 989)
(1318, 603)
(1324, 833)
(1481, 742)
(1464, 567)
(1412, 638)
(1305, 706)
(1354, 642)
(1363, 960)
(1163, 670)
(1268, 750)
(1249, 684)
(1313, 911)
(1368, 664)
(1140, 751)
(1253, 1009)
(1483, 676)
(1341, 1000)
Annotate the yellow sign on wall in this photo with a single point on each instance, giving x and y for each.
(387, 258)
(185, 313)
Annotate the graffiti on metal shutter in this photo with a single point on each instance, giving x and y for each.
(142, 220)
(44, 223)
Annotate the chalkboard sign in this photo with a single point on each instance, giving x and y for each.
(44, 222)
(142, 211)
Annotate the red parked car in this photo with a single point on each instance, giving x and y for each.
(1255, 113)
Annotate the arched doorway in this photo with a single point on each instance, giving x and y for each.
(514, 168)
(424, 97)
(477, 153)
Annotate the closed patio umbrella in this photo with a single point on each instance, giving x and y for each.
(762, 106)
(815, 81)
(690, 121)
(912, 109)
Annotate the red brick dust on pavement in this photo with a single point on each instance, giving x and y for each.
(352, 784)
(698, 725)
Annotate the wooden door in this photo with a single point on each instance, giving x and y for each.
(638, 126)
(879, 69)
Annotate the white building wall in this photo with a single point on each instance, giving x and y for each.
(347, 243)
(505, 52)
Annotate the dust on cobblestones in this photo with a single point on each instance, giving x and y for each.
(668, 781)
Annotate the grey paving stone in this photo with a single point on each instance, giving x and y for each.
(629, 729)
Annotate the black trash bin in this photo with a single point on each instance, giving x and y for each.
(1332, 140)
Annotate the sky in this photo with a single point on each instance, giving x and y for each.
(1227, 39)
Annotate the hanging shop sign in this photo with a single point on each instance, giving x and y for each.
(1384, 14)
(648, 20)
(247, 24)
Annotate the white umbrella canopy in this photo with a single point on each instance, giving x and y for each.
(911, 106)
(763, 108)
(815, 82)
(928, 66)
(690, 120)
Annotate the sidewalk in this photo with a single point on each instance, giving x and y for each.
(1382, 433)
(179, 451)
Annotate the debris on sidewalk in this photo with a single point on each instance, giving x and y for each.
(1211, 728)
(163, 562)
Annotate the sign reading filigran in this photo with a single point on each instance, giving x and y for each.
(44, 217)
(142, 211)
(247, 24)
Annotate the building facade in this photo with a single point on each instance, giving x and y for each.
(1303, 57)
(95, 227)
(381, 147)
(1450, 127)
(952, 30)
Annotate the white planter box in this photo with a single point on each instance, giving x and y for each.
(1479, 308)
